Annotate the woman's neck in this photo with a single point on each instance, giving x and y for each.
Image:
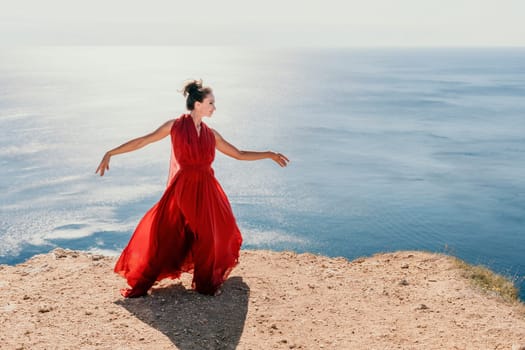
(197, 119)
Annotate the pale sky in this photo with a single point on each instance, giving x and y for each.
(263, 22)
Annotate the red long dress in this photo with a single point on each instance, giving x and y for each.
(191, 228)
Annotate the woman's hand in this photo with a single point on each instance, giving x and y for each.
(232, 151)
(104, 164)
(280, 159)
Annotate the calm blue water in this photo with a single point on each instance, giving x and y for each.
(390, 148)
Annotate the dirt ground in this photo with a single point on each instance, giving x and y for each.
(272, 300)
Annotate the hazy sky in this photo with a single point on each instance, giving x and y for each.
(264, 22)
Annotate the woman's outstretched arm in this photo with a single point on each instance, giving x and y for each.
(132, 145)
(232, 151)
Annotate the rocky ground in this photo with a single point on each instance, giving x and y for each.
(401, 300)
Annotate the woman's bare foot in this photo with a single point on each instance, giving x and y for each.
(217, 292)
(133, 293)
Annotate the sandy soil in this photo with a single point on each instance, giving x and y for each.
(401, 300)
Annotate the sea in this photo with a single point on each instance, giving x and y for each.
(390, 148)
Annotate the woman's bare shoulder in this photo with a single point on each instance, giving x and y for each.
(168, 125)
(215, 132)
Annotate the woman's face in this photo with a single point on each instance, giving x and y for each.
(207, 106)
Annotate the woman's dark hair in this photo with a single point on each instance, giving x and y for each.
(194, 91)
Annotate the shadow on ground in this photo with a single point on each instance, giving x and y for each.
(195, 321)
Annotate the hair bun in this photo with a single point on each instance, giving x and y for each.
(192, 87)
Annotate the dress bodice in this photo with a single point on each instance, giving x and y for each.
(192, 150)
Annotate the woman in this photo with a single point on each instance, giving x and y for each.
(192, 227)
